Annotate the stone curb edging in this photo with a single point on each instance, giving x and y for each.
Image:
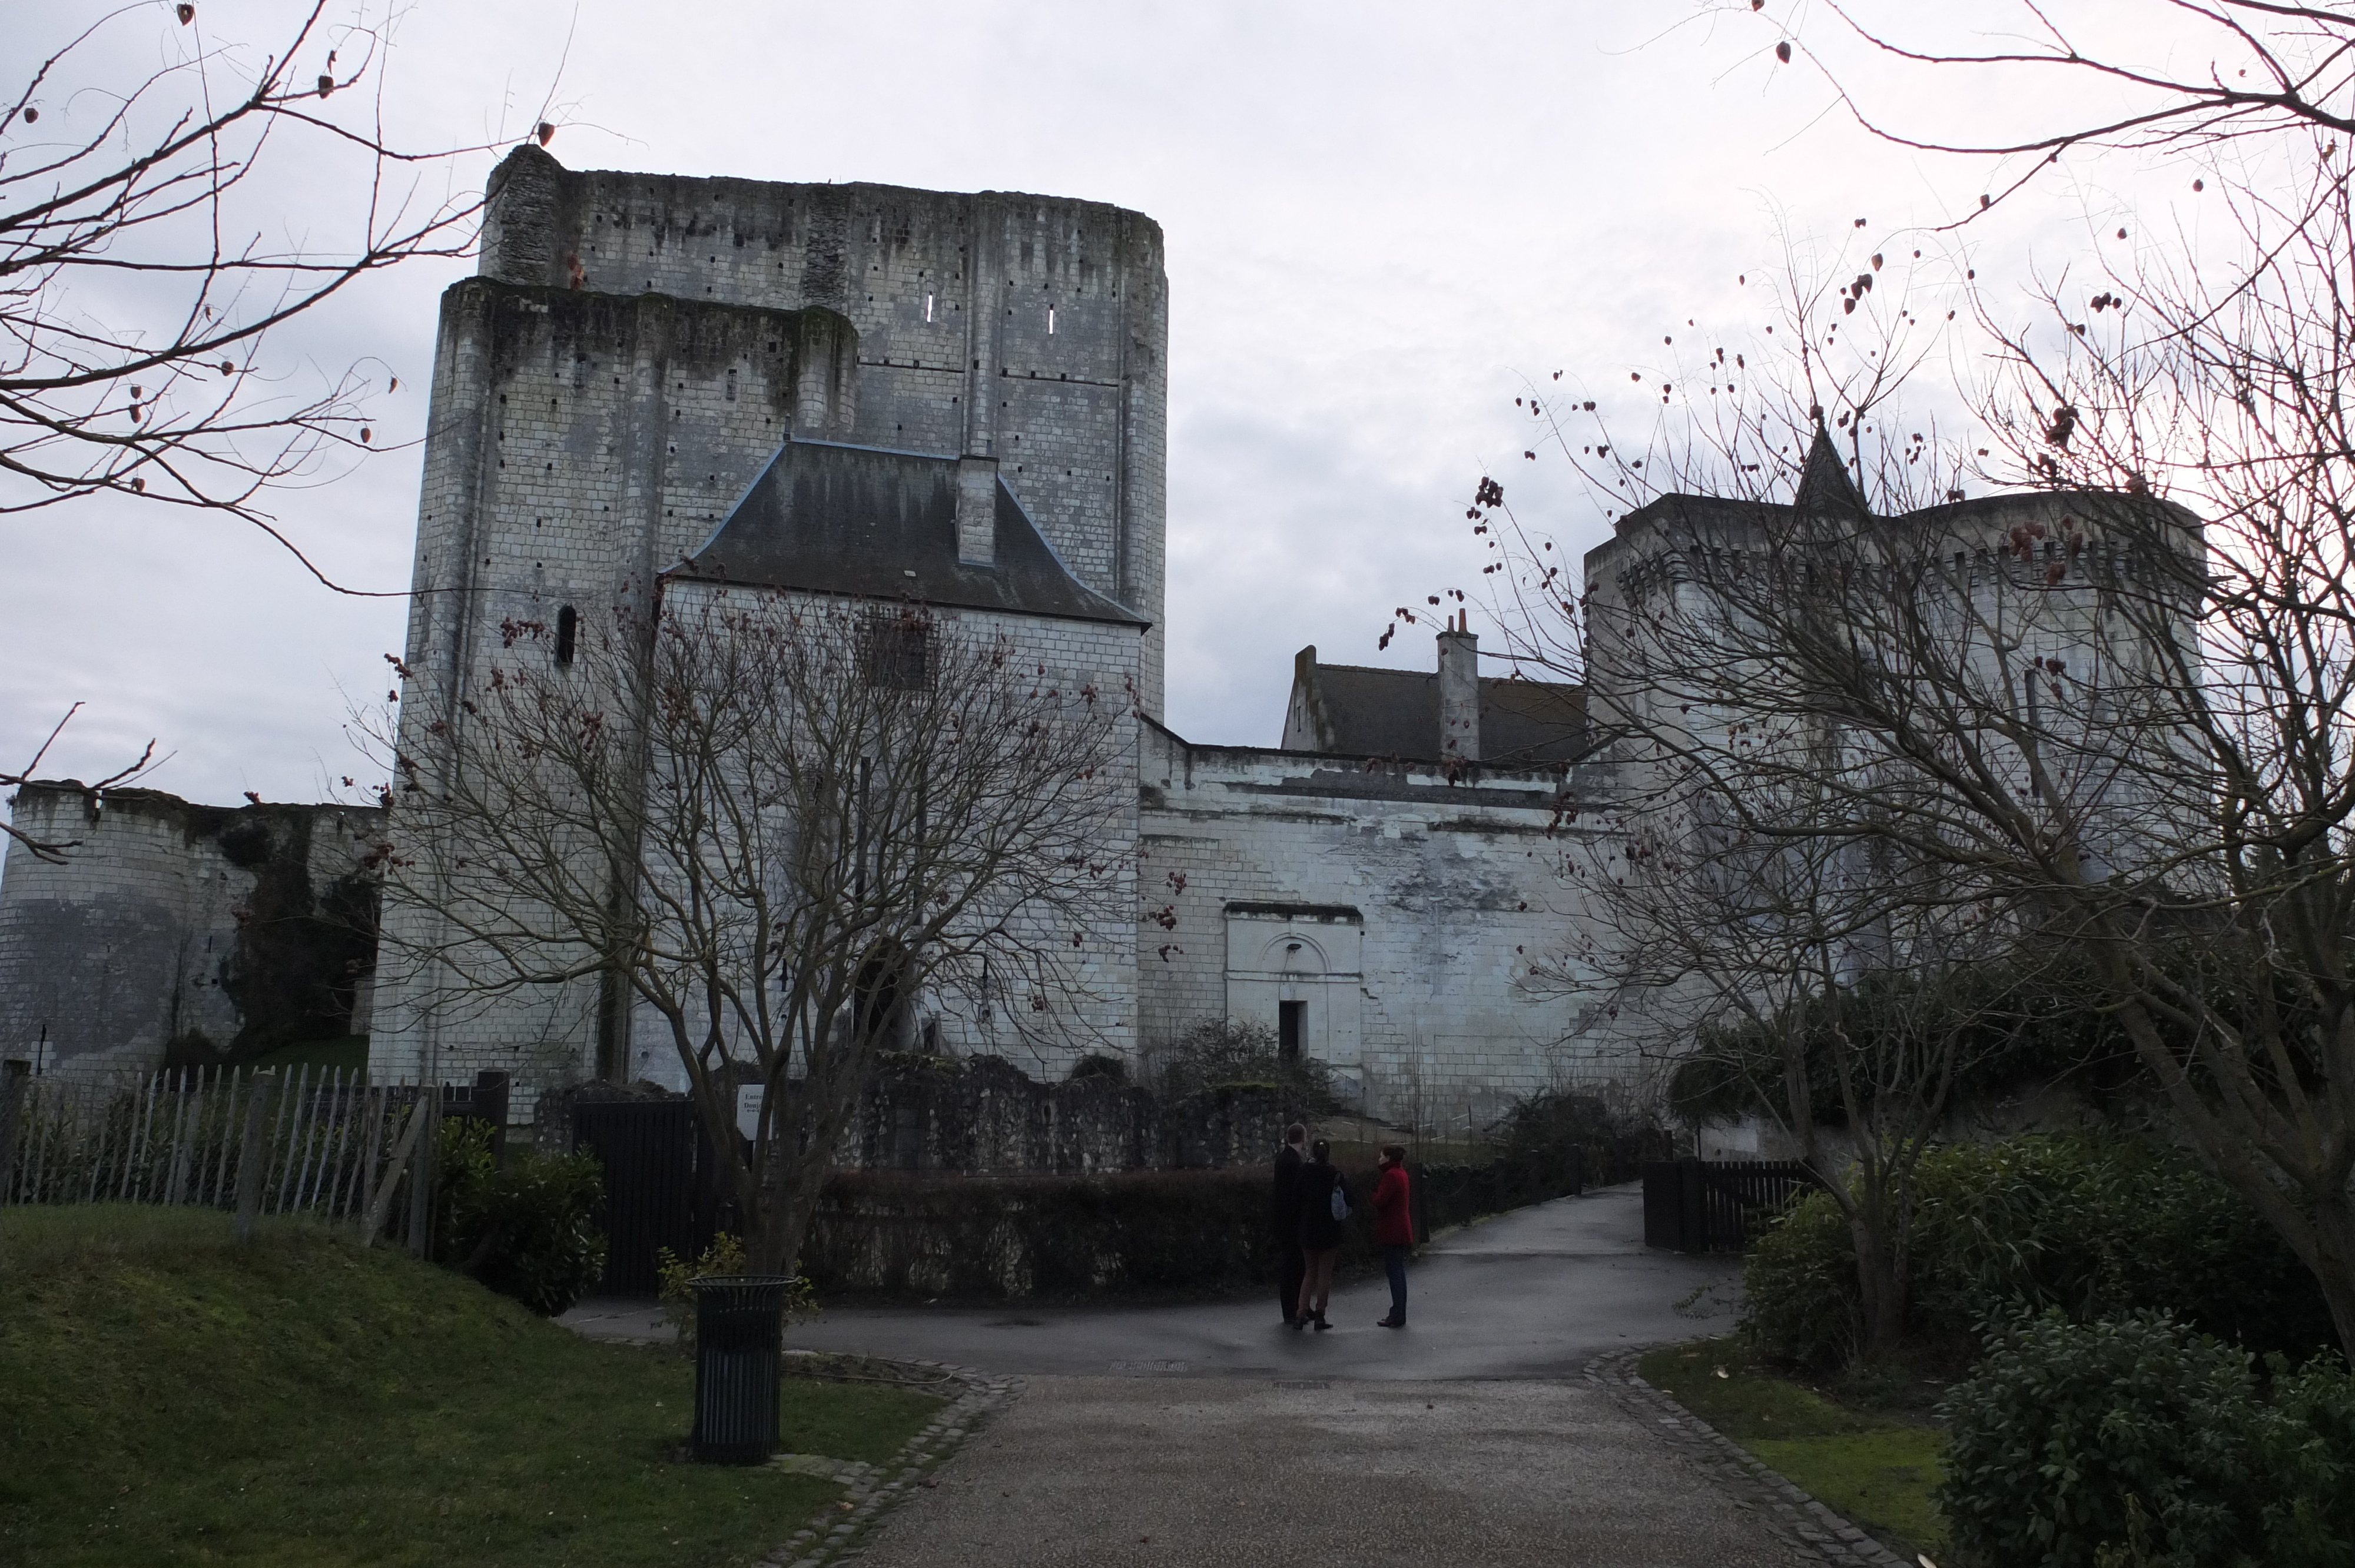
(838, 1535)
(1810, 1529)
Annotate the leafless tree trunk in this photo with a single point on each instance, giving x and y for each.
(774, 819)
(2171, 780)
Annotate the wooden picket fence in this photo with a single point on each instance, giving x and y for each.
(323, 1141)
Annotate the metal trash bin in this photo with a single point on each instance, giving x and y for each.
(740, 1324)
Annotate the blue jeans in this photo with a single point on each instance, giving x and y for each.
(1394, 1265)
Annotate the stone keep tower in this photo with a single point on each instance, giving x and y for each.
(636, 348)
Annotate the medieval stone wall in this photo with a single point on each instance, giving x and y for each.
(982, 1115)
(205, 933)
(546, 1036)
(1097, 1007)
(1258, 871)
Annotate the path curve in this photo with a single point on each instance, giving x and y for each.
(1537, 1293)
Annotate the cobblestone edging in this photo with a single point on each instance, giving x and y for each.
(840, 1534)
(1812, 1533)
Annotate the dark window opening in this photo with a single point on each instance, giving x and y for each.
(875, 1003)
(567, 632)
(1291, 1022)
(899, 654)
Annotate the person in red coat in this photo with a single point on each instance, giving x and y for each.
(1393, 1228)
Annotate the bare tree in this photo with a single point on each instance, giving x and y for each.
(54, 849)
(2175, 786)
(2200, 76)
(144, 257)
(1806, 977)
(775, 822)
(2076, 706)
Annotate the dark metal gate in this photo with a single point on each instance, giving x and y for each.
(1715, 1205)
(659, 1185)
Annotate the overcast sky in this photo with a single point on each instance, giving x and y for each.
(1381, 219)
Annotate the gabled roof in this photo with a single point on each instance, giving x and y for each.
(875, 524)
(1395, 713)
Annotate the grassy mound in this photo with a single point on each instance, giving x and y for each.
(1876, 1467)
(168, 1397)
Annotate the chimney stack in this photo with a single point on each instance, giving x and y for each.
(976, 511)
(1459, 691)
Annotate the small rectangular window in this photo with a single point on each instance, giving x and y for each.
(899, 653)
(567, 632)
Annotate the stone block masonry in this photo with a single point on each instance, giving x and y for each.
(1415, 912)
(171, 931)
(1031, 329)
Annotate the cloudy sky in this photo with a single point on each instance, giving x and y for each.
(1384, 221)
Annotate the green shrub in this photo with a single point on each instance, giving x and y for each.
(1219, 1053)
(2062, 1423)
(2092, 1225)
(527, 1227)
(1608, 1137)
(726, 1254)
(1800, 1298)
(2135, 1442)
(2100, 1225)
(2309, 1450)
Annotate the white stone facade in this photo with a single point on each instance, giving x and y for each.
(1416, 910)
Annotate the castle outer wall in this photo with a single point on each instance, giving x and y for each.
(1419, 922)
(189, 933)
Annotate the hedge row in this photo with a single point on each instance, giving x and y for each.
(1144, 1232)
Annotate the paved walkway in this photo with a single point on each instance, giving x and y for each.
(1212, 1434)
(1244, 1473)
(1534, 1294)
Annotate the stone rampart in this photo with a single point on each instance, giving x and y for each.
(173, 931)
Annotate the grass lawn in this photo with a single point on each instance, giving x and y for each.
(1874, 1466)
(168, 1397)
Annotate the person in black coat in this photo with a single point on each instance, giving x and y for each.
(1320, 1232)
(1283, 1221)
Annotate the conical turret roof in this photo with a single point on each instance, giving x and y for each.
(1825, 488)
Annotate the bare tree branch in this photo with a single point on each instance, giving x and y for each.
(54, 849)
(138, 288)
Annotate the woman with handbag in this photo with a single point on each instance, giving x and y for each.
(1324, 1204)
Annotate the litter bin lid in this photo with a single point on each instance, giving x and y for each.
(754, 1290)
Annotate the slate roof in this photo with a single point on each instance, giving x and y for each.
(1395, 713)
(831, 518)
(1825, 488)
